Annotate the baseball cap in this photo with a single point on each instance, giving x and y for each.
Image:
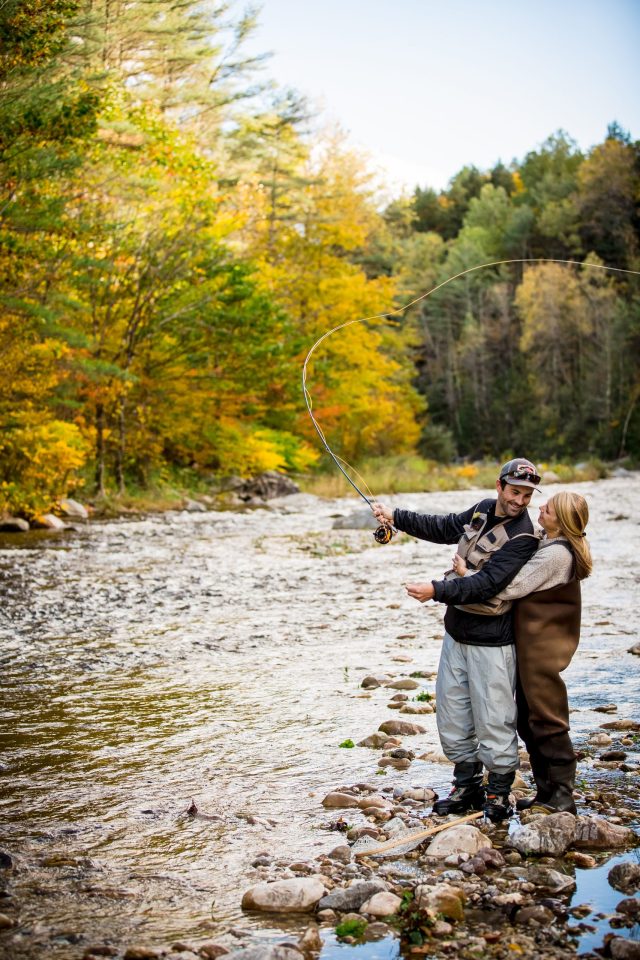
(520, 472)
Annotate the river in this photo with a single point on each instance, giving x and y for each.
(217, 657)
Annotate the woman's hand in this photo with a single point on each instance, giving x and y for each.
(420, 591)
(459, 565)
(382, 514)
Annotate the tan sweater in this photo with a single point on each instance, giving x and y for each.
(550, 566)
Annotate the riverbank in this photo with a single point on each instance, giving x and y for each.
(219, 657)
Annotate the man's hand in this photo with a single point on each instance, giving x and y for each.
(382, 514)
(420, 591)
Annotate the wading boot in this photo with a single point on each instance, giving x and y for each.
(562, 778)
(467, 793)
(497, 806)
(544, 788)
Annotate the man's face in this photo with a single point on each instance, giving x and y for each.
(512, 500)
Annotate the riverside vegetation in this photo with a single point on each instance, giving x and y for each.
(176, 232)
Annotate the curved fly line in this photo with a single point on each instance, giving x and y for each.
(384, 532)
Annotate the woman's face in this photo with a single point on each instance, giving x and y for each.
(548, 519)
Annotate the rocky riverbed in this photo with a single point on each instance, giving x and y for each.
(179, 696)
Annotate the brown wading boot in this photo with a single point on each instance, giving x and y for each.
(562, 778)
(497, 806)
(467, 793)
(544, 788)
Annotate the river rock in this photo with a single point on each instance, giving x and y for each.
(358, 520)
(337, 800)
(403, 683)
(421, 794)
(141, 953)
(71, 508)
(194, 506)
(596, 833)
(351, 898)
(6, 922)
(550, 879)
(402, 728)
(48, 521)
(297, 895)
(375, 741)
(268, 951)
(374, 800)
(268, 486)
(417, 708)
(370, 682)
(383, 904)
(622, 949)
(378, 931)
(443, 898)
(536, 912)
(621, 725)
(630, 907)
(462, 839)
(398, 763)
(211, 950)
(625, 877)
(310, 942)
(547, 835)
(13, 525)
(635, 649)
(600, 739)
(342, 853)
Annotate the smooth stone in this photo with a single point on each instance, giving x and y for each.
(356, 832)
(141, 953)
(310, 941)
(266, 951)
(383, 904)
(48, 521)
(375, 741)
(630, 907)
(401, 728)
(536, 912)
(596, 833)
(622, 949)
(600, 739)
(551, 879)
(417, 708)
(422, 794)
(607, 708)
(547, 835)
(327, 916)
(462, 839)
(194, 506)
(211, 950)
(337, 800)
(613, 755)
(443, 898)
(13, 525)
(635, 649)
(398, 763)
(71, 508)
(582, 860)
(621, 725)
(625, 877)
(351, 898)
(404, 683)
(375, 801)
(370, 682)
(341, 853)
(297, 895)
(6, 922)
(378, 931)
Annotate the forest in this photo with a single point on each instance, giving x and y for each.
(176, 232)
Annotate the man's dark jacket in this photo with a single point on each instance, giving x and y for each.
(495, 575)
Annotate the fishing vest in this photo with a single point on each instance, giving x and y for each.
(476, 547)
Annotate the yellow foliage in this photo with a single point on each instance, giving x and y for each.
(469, 471)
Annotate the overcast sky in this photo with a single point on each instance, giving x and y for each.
(427, 86)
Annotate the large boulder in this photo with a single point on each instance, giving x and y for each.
(267, 486)
(298, 895)
(48, 521)
(549, 836)
(464, 838)
(596, 833)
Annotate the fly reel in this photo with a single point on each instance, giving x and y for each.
(383, 534)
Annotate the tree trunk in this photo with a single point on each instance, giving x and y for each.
(99, 476)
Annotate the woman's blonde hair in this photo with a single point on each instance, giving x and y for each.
(573, 516)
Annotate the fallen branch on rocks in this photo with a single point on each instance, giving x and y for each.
(405, 842)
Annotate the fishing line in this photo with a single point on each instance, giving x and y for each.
(384, 533)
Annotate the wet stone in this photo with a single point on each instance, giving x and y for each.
(630, 906)
(622, 949)
(536, 913)
(625, 877)
(211, 950)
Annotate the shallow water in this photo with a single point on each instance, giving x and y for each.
(218, 657)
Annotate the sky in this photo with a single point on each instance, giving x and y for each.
(424, 87)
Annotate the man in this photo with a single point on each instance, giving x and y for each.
(476, 711)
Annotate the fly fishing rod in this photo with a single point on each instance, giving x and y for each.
(385, 531)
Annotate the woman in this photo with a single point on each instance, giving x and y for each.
(547, 631)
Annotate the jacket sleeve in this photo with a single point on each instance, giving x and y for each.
(438, 529)
(498, 571)
(548, 568)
